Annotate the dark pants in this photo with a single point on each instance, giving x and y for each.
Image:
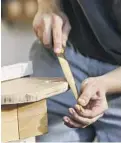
(107, 128)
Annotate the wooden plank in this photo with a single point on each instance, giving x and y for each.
(27, 140)
(9, 123)
(32, 119)
(31, 89)
(16, 71)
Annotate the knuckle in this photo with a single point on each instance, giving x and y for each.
(88, 121)
(65, 37)
(92, 115)
(85, 120)
(35, 26)
(45, 42)
(85, 82)
(75, 116)
(87, 95)
(58, 19)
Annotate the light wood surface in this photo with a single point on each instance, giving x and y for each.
(32, 119)
(23, 121)
(68, 74)
(25, 90)
(9, 123)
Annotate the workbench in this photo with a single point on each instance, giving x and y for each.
(24, 109)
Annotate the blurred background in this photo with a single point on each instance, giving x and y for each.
(17, 34)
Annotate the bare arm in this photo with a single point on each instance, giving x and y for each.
(113, 81)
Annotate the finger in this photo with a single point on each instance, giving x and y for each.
(40, 34)
(84, 84)
(75, 116)
(83, 120)
(93, 112)
(99, 107)
(70, 123)
(94, 120)
(47, 31)
(57, 33)
(65, 32)
(88, 113)
(88, 92)
(38, 29)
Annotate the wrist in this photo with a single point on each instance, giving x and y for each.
(110, 84)
(105, 83)
(49, 6)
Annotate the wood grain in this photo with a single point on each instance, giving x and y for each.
(9, 123)
(68, 74)
(32, 119)
(25, 90)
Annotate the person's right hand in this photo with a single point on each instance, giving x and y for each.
(48, 26)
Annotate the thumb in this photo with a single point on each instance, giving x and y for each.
(86, 95)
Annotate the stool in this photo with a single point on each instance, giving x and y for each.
(24, 109)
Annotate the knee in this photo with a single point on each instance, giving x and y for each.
(36, 49)
(37, 45)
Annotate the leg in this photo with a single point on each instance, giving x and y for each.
(45, 64)
(108, 128)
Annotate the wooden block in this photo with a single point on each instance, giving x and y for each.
(32, 119)
(9, 123)
(24, 90)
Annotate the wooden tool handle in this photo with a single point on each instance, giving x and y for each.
(70, 77)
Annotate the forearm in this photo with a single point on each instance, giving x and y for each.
(112, 81)
(49, 6)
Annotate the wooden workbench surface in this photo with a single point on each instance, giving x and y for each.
(25, 90)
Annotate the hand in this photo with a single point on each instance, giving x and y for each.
(93, 100)
(48, 26)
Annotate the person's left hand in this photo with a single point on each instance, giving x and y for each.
(93, 100)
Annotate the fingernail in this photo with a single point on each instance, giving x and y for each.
(66, 119)
(57, 50)
(72, 111)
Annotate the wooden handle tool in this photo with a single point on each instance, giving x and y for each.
(68, 74)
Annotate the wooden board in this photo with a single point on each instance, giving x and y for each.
(9, 123)
(32, 119)
(23, 121)
(18, 70)
(25, 90)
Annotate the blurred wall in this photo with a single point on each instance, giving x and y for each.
(16, 43)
